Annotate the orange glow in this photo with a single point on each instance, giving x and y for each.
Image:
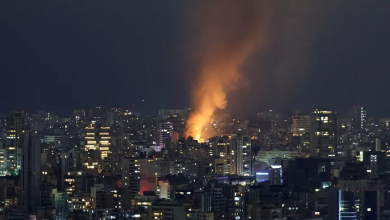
(227, 37)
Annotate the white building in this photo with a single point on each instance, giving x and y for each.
(164, 188)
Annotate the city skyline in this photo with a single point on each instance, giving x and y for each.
(194, 110)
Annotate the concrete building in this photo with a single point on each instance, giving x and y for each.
(212, 166)
(31, 174)
(164, 133)
(60, 202)
(247, 156)
(349, 205)
(301, 125)
(266, 156)
(166, 210)
(358, 118)
(371, 195)
(323, 134)
(164, 188)
(3, 158)
(148, 175)
(197, 215)
(130, 175)
(304, 174)
(15, 132)
(84, 204)
(301, 128)
(240, 156)
(96, 137)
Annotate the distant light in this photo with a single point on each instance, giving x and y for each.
(262, 174)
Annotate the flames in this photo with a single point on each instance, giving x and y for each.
(229, 33)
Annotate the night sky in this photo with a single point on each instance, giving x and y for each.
(68, 54)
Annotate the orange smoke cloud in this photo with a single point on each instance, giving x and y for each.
(230, 31)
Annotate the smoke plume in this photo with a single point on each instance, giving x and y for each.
(230, 31)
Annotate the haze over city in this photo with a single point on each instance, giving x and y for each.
(317, 53)
(194, 110)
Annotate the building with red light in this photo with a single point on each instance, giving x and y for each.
(148, 175)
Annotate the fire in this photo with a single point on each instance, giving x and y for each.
(227, 37)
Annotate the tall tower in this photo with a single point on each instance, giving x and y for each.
(131, 175)
(15, 131)
(240, 157)
(247, 156)
(323, 134)
(164, 133)
(31, 173)
(358, 118)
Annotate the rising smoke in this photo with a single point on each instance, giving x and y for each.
(230, 31)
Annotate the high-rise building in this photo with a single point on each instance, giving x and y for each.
(276, 175)
(64, 165)
(247, 156)
(60, 202)
(96, 137)
(374, 162)
(348, 205)
(303, 174)
(222, 147)
(130, 175)
(358, 118)
(15, 131)
(3, 158)
(240, 158)
(31, 173)
(323, 134)
(148, 175)
(301, 125)
(164, 133)
(301, 128)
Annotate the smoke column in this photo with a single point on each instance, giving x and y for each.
(230, 31)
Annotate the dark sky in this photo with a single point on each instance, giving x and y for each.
(61, 55)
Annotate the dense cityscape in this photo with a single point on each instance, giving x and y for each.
(194, 110)
(111, 163)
